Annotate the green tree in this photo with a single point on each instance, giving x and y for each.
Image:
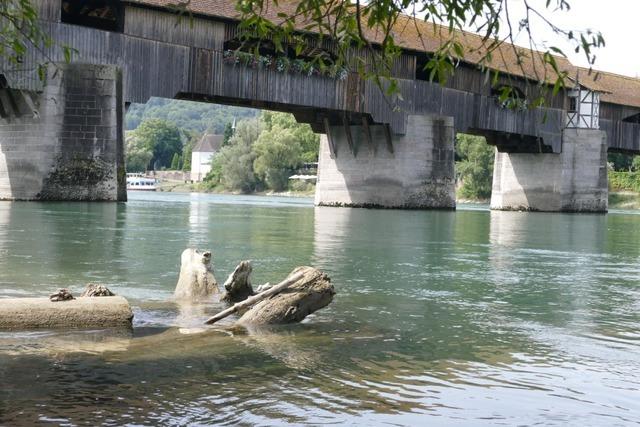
(235, 161)
(137, 154)
(278, 153)
(192, 138)
(162, 138)
(620, 161)
(303, 134)
(475, 167)
(636, 163)
(228, 133)
(175, 162)
(189, 116)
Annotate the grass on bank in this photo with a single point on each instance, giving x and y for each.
(295, 188)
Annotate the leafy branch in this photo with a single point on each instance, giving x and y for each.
(20, 30)
(369, 36)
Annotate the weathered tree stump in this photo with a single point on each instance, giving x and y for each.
(309, 293)
(196, 281)
(238, 284)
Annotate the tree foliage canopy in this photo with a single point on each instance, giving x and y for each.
(189, 116)
(278, 153)
(160, 138)
(376, 25)
(138, 155)
(475, 166)
(232, 167)
(263, 154)
(21, 31)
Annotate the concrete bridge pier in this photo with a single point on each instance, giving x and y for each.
(366, 166)
(66, 142)
(574, 180)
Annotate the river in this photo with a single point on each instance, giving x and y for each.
(441, 318)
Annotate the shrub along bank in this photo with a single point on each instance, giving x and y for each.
(624, 181)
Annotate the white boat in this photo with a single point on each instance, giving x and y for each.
(140, 183)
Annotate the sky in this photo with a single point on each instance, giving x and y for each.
(617, 20)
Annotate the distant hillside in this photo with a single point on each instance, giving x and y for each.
(187, 115)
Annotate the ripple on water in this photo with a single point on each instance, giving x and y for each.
(465, 318)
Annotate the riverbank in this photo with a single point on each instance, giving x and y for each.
(197, 187)
(617, 199)
(624, 200)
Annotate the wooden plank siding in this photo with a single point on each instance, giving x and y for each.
(165, 27)
(48, 10)
(617, 112)
(163, 57)
(622, 136)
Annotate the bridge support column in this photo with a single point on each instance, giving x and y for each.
(572, 181)
(371, 168)
(70, 145)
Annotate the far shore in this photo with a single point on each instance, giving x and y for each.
(617, 199)
(186, 187)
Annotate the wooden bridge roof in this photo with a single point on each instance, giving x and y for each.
(618, 89)
(420, 36)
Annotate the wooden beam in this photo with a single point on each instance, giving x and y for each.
(367, 134)
(347, 131)
(26, 97)
(13, 104)
(3, 113)
(6, 105)
(387, 137)
(327, 131)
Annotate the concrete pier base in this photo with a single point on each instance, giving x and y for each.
(67, 142)
(572, 181)
(89, 312)
(415, 171)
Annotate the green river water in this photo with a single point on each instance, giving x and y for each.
(440, 318)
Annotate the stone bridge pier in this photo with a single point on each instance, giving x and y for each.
(366, 166)
(574, 180)
(65, 142)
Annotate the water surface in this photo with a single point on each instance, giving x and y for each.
(441, 318)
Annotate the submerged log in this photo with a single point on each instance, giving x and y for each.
(238, 284)
(310, 291)
(30, 313)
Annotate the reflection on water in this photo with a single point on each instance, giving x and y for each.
(463, 318)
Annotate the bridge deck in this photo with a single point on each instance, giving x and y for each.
(163, 58)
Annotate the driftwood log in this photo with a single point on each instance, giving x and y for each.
(29, 313)
(238, 284)
(303, 292)
(309, 293)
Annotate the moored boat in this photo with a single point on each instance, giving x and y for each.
(140, 183)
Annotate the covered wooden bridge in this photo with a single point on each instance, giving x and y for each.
(129, 51)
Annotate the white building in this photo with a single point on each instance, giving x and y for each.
(583, 110)
(202, 155)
